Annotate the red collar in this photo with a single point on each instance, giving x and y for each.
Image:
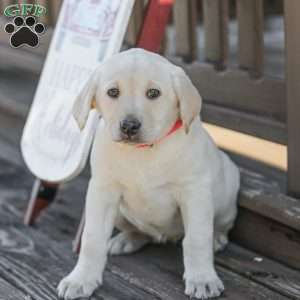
(175, 127)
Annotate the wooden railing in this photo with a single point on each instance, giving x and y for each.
(250, 21)
(240, 97)
(292, 32)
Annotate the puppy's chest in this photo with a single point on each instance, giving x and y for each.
(149, 189)
(150, 200)
(150, 194)
(152, 211)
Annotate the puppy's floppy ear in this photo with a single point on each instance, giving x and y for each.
(189, 99)
(85, 100)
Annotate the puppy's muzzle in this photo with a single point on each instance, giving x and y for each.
(130, 127)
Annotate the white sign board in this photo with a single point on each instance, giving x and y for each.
(87, 32)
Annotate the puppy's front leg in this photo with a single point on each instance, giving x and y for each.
(101, 209)
(201, 279)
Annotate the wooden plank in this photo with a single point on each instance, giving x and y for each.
(268, 273)
(268, 237)
(275, 206)
(155, 21)
(260, 170)
(250, 35)
(135, 23)
(28, 253)
(167, 259)
(10, 292)
(268, 221)
(215, 18)
(235, 89)
(39, 278)
(252, 124)
(260, 269)
(35, 264)
(292, 32)
(185, 22)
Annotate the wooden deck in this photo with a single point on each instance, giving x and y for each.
(33, 260)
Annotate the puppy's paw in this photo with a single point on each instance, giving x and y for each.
(77, 285)
(127, 242)
(220, 242)
(203, 286)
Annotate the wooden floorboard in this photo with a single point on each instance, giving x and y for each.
(34, 264)
(43, 254)
(10, 292)
(262, 270)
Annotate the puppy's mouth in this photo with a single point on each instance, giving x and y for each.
(130, 140)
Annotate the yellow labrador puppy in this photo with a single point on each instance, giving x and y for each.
(156, 173)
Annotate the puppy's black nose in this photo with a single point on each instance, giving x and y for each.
(130, 126)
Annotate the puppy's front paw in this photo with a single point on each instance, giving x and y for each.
(203, 286)
(77, 285)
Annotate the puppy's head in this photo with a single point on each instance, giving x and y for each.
(140, 95)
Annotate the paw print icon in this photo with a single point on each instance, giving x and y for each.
(24, 31)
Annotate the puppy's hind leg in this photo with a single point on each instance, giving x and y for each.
(128, 240)
(221, 232)
(220, 241)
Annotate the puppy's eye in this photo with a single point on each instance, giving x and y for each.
(153, 93)
(113, 92)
